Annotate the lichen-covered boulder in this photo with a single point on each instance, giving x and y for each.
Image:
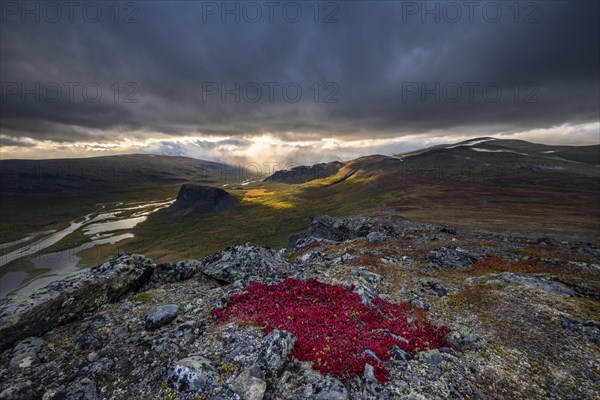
(250, 384)
(239, 262)
(326, 388)
(275, 349)
(161, 315)
(65, 300)
(192, 374)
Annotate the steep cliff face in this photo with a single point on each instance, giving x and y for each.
(202, 198)
(304, 174)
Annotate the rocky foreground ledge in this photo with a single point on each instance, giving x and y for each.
(522, 316)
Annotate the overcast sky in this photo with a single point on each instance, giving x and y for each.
(291, 81)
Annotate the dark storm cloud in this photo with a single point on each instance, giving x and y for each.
(7, 141)
(376, 65)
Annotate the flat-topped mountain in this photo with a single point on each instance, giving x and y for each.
(193, 197)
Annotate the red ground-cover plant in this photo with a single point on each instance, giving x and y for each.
(333, 327)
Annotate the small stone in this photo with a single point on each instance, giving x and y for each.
(435, 286)
(161, 315)
(369, 373)
(461, 339)
(420, 303)
(366, 292)
(396, 353)
(370, 354)
(431, 357)
(282, 381)
(249, 384)
(369, 276)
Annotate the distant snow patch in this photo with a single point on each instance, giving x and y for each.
(497, 151)
(472, 143)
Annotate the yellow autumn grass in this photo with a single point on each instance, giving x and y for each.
(265, 198)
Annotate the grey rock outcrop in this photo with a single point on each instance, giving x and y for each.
(451, 257)
(168, 273)
(538, 282)
(341, 229)
(65, 300)
(590, 330)
(245, 260)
